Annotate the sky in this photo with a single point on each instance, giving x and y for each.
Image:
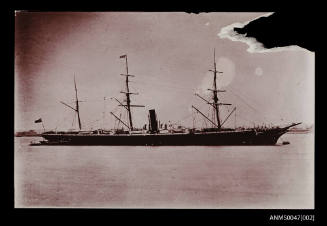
(169, 54)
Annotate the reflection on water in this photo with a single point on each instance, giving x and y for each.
(280, 176)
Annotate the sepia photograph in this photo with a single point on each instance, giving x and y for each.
(160, 110)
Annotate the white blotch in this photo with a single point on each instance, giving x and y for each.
(18, 11)
(207, 24)
(224, 65)
(254, 45)
(258, 71)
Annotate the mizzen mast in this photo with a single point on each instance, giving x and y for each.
(76, 109)
(77, 106)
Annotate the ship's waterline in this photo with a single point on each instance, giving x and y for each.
(280, 176)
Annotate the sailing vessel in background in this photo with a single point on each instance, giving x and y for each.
(154, 134)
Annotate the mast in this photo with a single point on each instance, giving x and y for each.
(215, 97)
(128, 100)
(77, 107)
(215, 91)
(127, 93)
(215, 104)
(104, 112)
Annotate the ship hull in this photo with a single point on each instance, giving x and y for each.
(249, 137)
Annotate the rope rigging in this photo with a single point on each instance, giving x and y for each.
(249, 105)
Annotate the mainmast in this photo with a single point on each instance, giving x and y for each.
(128, 93)
(128, 100)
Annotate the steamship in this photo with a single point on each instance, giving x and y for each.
(154, 134)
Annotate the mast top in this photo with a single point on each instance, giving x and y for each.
(214, 56)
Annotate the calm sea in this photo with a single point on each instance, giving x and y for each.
(280, 176)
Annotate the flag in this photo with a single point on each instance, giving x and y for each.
(38, 121)
(123, 56)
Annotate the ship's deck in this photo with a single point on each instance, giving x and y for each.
(146, 134)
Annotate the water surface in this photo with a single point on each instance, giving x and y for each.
(280, 176)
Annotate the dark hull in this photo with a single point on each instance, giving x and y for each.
(246, 137)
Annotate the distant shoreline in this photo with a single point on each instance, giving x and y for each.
(295, 131)
(30, 133)
(38, 135)
(299, 132)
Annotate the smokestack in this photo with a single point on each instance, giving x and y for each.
(153, 123)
